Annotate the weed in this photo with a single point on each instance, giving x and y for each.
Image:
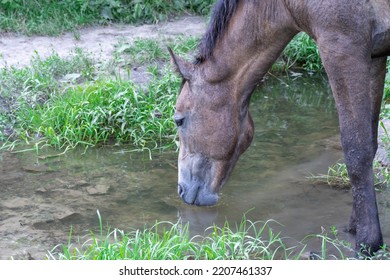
(302, 52)
(168, 241)
(142, 51)
(47, 17)
(247, 240)
(337, 176)
(28, 88)
(103, 112)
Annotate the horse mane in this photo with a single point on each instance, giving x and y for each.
(220, 17)
(222, 13)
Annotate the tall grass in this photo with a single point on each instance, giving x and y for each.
(143, 51)
(246, 240)
(386, 95)
(303, 53)
(68, 101)
(337, 176)
(105, 111)
(28, 88)
(172, 241)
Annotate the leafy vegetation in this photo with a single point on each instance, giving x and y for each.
(28, 88)
(386, 95)
(106, 111)
(246, 240)
(68, 101)
(302, 52)
(48, 17)
(337, 176)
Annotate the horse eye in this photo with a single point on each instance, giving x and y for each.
(179, 121)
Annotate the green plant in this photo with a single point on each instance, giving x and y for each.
(49, 17)
(28, 88)
(337, 176)
(103, 112)
(330, 243)
(301, 52)
(246, 240)
(386, 95)
(168, 241)
(138, 52)
(151, 51)
(163, 241)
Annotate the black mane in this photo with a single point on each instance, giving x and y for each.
(221, 14)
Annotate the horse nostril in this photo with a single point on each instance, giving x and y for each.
(180, 190)
(179, 120)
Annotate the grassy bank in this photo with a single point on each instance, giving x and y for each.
(67, 101)
(63, 102)
(246, 240)
(47, 17)
(167, 241)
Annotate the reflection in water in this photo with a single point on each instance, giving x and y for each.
(295, 135)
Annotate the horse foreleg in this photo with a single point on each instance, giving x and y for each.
(377, 80)
(349, 73)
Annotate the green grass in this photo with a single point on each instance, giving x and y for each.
(153, 52)
(302, 53)
(246, 240)
(337, 176)
(386, 95)
(167, 241)
(52, 17)
(105, 112)
(63, 102)
(28, 88)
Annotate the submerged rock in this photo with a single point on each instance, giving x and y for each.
(36, 168)
(16, 203)
(98, 189)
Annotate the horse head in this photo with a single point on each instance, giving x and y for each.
(214, 127)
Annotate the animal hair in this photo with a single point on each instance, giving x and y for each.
(223, 11)
(220, 17)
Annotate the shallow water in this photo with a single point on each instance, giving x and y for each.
(296, 135)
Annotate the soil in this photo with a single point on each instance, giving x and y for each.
(17, 50)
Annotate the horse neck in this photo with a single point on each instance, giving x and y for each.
(256, 35)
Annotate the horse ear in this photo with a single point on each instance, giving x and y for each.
(184, 68)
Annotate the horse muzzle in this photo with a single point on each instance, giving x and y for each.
(195, 180)
(197, 195)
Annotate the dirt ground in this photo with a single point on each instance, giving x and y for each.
(17, 50)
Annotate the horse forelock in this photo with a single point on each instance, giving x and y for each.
(220, 16)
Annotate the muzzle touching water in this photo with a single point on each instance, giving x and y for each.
(195, 185)
(197, 195)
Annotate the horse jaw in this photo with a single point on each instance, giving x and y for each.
(200, 179)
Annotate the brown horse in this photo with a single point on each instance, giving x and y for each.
(243, 40)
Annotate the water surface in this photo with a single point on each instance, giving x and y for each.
(296, 135)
